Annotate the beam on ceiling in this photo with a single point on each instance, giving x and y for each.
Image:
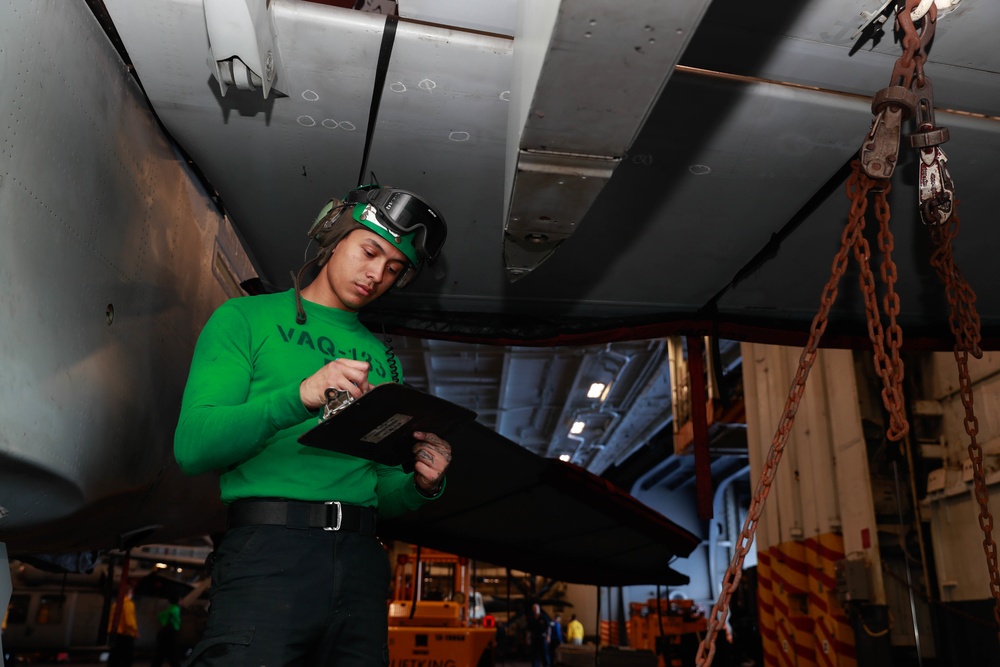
(586, 75)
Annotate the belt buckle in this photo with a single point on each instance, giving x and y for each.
(340, 515)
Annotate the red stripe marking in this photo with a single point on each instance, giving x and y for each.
(786, 657)
(770, 658)
(803, 623)
(840, 647)
(829, 583)
(805, 652)
(790, 588)
(824, 551)
(824, 657)
(797, 566)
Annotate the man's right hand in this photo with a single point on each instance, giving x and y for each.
(345, 374)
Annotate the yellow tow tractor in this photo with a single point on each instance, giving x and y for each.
(435, 619)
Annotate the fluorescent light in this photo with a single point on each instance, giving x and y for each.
(596, 390)
(578, 428)
(564, 457)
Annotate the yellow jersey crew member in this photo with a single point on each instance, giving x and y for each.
(574, 631)
(121, 637)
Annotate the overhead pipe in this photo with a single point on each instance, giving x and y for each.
(699, 422)
(713, 542)
(906, 566)
(648, 368)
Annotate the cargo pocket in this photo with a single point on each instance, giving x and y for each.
(225, 649)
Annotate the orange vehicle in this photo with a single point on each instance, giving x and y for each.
(434, 618)
(676, 617)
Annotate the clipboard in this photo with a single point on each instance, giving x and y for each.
(379, 426)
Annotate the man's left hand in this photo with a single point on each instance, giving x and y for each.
(432, 455)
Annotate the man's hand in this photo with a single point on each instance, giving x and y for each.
(347, 375)
(432, 455)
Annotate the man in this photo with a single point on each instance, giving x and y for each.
(574, 631)
(121, 637)
(299, 577)
(166, 639)
(540, 631)
(555, 638)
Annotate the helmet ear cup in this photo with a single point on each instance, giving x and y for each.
(324, 224)
(332, 224)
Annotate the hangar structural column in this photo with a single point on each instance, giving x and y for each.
(819, 520)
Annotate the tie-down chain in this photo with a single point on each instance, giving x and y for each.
(910, 95)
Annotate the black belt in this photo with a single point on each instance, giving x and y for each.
(332, 515)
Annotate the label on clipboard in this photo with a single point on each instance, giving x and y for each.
(386, 428)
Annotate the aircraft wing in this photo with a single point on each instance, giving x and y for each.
(633, 169)
(506, 506)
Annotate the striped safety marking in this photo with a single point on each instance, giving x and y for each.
(800, 619)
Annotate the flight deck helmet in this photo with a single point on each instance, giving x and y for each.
(400, 217)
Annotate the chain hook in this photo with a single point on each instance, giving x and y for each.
(923, 6)
(880, 149)
(936, 189)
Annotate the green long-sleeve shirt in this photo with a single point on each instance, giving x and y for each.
(170, 616)
(241, 413)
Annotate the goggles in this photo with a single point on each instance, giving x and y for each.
(403, 218)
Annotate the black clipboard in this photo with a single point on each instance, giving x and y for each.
(379, 425)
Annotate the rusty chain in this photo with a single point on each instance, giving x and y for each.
(859, 186)
(909, 94)
(937, 208)
(909, 68)
(964, 322)
(889, 366)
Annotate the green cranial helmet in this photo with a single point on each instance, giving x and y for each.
(367, 215)
(400, 217)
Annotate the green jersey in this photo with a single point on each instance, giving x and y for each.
(171, 616)
(242, 415)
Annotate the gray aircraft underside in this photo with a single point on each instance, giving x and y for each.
(601, 166)
(114, 250)
(111, 256)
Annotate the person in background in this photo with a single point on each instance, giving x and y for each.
(540, 634)
(555, 637)
(166, 639)
(574, 631)
(121, 637)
